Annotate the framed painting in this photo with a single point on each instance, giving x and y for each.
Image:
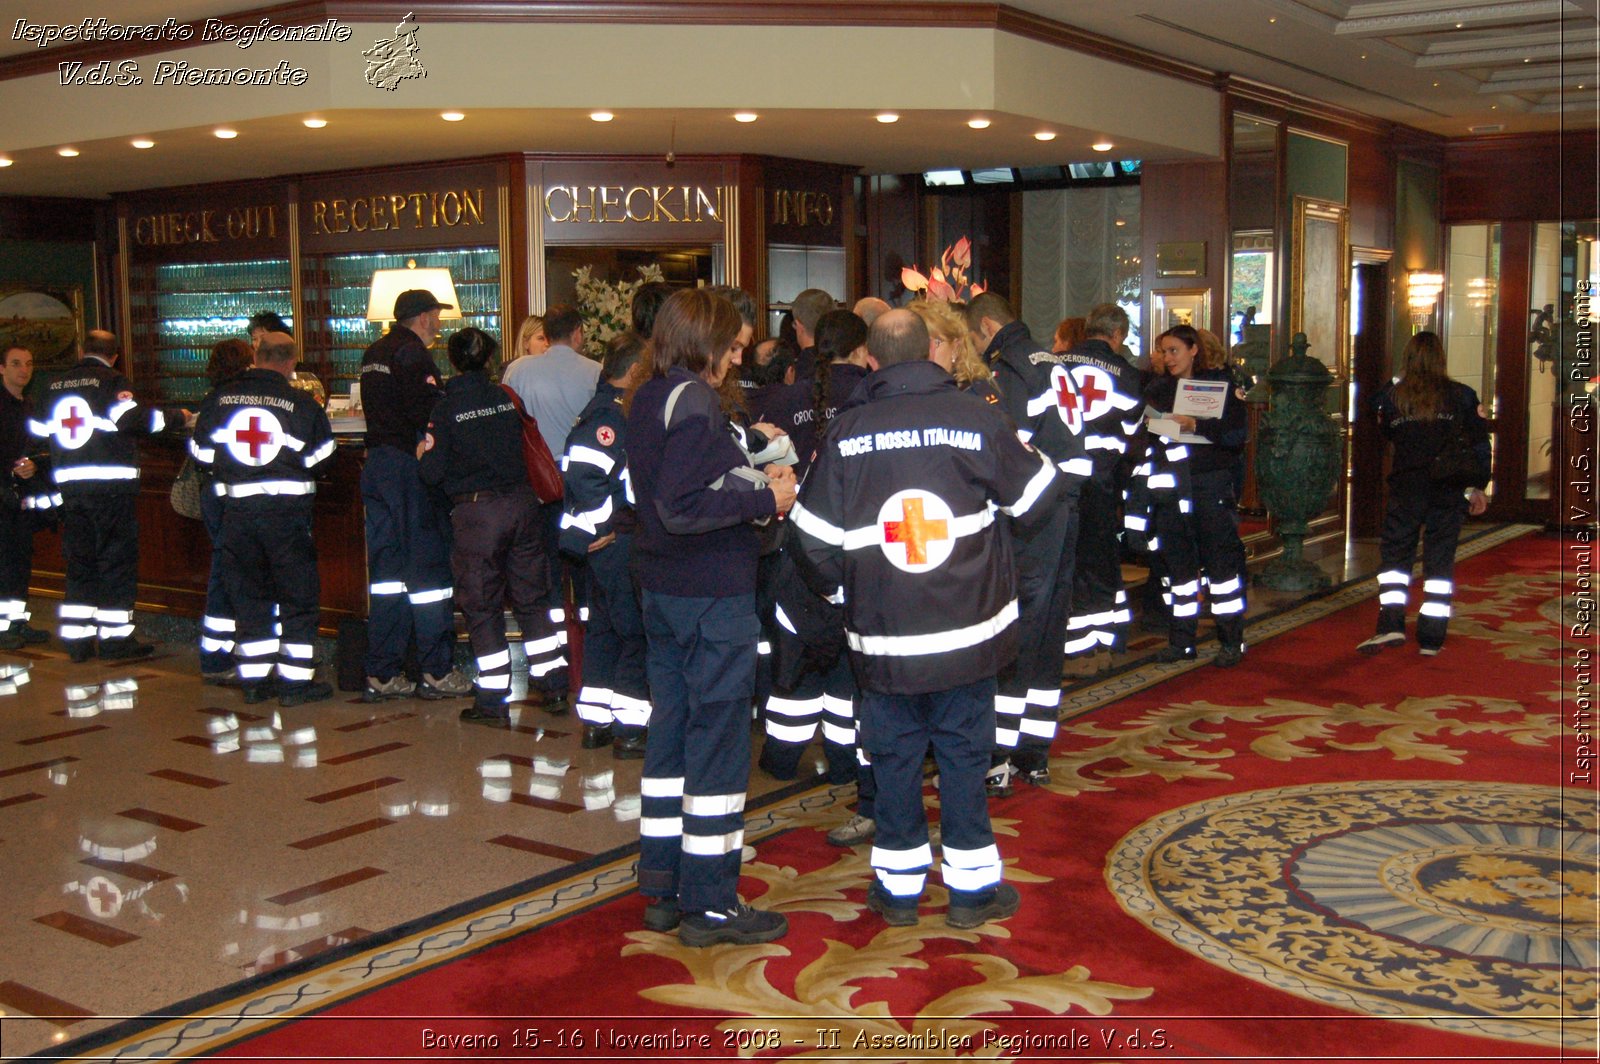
(1179, 306)
(46, 319)
(1319, 304)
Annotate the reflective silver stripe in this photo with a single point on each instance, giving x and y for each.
(211, 645)
(902, 860)
(158, 421)
(1006, 733)
(496, 681)
(298, 651)
(1437, 587)
(1009, 705)
(76, 631)
(713, 804)
(425, 598)
(1078, 646)
(206, 455)
(218, 624)
(1225, 607)
(1163, 482)
(713, 845)
(589, 456)
(794, 707)
(119, 631)
(296, 672)
(115, 411)
(543, 668)
(1392, 598)
(968, 879)
(87, 472)
(1435, 609)
(267, 487)
(1041, 697)
(323, 450)
(764, 648)
(535, 647)
(497, 660)
(816, 527)
(958, 527)
(839, 735)
(1393, 576)
(1105, 443)
(590, 520)
(902, 886)
(113, 616)
(73, 611)
(558, 616)
(1031, 493)
(1186, 609)
(388, 587)
(1225, 587)
(259, 648)
(661, 827)
(294, 443)
(983, 857)
(839, 707)
(1078, 467)
(255, 670)
(1177, 453)
(1039, 729)
(782, 618)
(791, 733)
(907, 646)
(661, 787)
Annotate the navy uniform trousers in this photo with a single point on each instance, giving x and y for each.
(1200, 546)
(408, 568)
(896, 731)
(702, 665)
(1029, 698)
(100, 544)
(270, 565)
(1435, 513)
(615, 690)
(497, 554)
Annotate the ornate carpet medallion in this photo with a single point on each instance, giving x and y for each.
(1468, 906)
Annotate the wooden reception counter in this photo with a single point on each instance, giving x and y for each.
(175, 555)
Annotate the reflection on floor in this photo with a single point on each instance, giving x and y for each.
(163, 840)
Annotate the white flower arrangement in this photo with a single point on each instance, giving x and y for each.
(607, 308)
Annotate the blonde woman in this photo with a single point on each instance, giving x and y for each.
(954, 347)
(531, 339)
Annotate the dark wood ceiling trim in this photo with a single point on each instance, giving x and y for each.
(1252, 96)
(1049, 31)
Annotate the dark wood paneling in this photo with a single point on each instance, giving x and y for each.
(48, 218)
(1186, 202)
(893, 220)
(1372, 191)
(1533, 177)
(1511, 380)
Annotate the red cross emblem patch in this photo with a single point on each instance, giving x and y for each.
(917, 530)
(1095, 390)
(253, 436)
(1069, 407)
(72, 422)
(605, 435)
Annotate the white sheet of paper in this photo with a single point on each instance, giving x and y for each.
(1201, 399)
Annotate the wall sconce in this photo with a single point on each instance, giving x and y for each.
(1422, 292)
(388, 284)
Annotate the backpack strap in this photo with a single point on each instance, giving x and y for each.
(672, 402)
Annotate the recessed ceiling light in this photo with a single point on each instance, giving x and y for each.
(601, 116)
(313, 123)
(978, 123)
(1102, 145)
(1044, 134)
(142, 142)
(67, 153)
(1436, 84)
(746, 116)
(225, 134)
(1273, 20)
(1459, 25)
(5, 160)
(1122, 221)
(452, 116)
(887, 117)
(1363, 55)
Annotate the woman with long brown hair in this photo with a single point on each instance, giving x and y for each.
(695, 559)
(1424, 413)
(1200, 544)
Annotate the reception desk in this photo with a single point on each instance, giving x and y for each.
(175, 555)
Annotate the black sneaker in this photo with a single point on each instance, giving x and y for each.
(595, 736)
(895, 913)
(1228, 657)
(1379, 641)
(30, 634)
(125, 649)
(477, 713)
(740, 925)
(629, 745)
(1002, 904)
(1169, 654)
(662, 915)
(315, 691)
(10, 640)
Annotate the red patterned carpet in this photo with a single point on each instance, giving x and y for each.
(1313, 856)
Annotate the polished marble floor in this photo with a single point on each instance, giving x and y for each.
(162, 840)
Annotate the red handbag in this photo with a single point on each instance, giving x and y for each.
(543, 472)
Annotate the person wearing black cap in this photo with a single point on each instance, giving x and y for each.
(408, 551)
